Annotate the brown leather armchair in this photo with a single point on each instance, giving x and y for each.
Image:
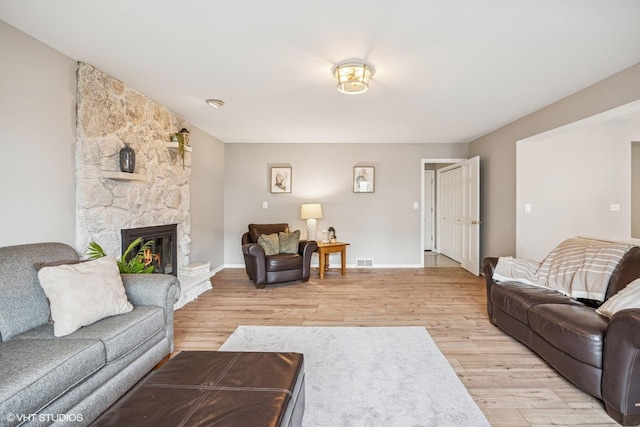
(277, 268)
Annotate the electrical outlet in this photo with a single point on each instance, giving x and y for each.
(416, 205)
(265, 205)
(527, 208)
(614, 207)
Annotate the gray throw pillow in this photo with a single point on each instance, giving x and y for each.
(269, 243)
(289, 242)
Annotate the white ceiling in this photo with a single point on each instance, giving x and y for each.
(446, 70)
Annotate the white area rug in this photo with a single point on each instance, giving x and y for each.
(362, 376)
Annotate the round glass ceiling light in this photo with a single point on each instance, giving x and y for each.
(353, 76)
(216, 103)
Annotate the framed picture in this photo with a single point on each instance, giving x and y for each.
(364, 178)
(281, 180)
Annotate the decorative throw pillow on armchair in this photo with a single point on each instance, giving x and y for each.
(270, 243)
(289, 242)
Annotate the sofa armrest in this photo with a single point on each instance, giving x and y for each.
(162, 290)
(488, 267)
(255, 263)
(621, 367)
(306, 248)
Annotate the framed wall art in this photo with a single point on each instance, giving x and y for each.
(364, 178)
(281, 180)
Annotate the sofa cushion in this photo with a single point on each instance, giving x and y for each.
(627, 270)
(120, 334)
(34, 373)
(256, 230)
(283, 262)
(516, 299)
(577, 330)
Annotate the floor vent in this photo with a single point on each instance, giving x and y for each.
(364, 262)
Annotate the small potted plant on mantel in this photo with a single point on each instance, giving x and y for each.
(182, 138)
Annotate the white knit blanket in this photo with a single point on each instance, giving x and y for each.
(578, 267)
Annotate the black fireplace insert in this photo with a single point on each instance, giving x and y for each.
(163, 253)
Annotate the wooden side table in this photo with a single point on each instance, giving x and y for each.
(324, 249)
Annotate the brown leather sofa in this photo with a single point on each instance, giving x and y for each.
(600, 356)
(263, 270)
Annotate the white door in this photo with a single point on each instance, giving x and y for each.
(429, 214)
(471, 215)
(450, 212)
(456, 220)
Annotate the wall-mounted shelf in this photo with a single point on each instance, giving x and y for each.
(174, 146)
(124, 176)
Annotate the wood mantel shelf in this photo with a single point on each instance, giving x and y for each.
(123, 176)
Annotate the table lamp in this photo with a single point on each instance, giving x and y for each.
(311, 212)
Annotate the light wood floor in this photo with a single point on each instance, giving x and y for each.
(511, 385)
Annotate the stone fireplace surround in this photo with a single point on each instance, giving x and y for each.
(109, 114)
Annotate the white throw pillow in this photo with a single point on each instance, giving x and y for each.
(81, 294)
(629, 297)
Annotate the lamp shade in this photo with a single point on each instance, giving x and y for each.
(311, 211)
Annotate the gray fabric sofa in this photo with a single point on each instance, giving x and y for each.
(70, 380)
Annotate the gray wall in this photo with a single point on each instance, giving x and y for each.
(497, 151)
(37, 165)
(588, 167)
(37, 118)
(207, 198)
(635, 189)
(382, 225)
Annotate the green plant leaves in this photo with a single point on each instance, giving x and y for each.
(135, 265)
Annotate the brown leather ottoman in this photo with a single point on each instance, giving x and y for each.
(216, 388)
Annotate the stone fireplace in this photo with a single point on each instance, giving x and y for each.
(109, 114)
(114, 208)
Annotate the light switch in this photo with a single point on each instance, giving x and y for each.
(614, 207)
(527, 208)
(416, 205)
(265, 205)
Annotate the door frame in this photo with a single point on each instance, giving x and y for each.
(423, 162)
(430, 201)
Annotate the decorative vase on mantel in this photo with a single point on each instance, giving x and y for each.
(127, 158)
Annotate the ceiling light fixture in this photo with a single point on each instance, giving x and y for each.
(216, 103)
(353, 76)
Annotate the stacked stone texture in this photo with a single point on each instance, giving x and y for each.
(109, 114)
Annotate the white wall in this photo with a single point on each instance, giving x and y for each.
(37, 140)
(381, 225)
(571, 179)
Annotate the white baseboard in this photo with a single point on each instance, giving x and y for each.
(350, 266)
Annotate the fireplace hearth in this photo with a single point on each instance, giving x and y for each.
(163, 254)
